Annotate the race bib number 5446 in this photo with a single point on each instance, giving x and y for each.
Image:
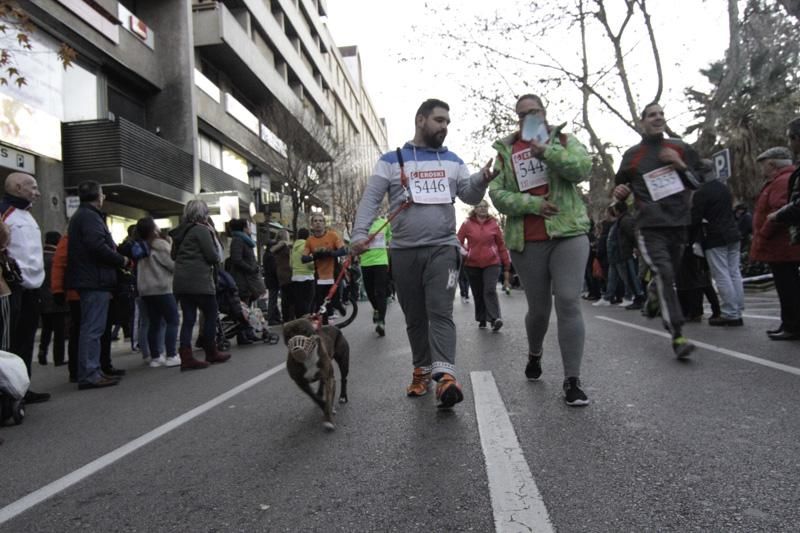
(430, 187)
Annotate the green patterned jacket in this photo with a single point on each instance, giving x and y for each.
(568, 163)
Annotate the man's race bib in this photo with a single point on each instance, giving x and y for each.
(663, 182)
(430, 187)
(378, 242)
(531, 172)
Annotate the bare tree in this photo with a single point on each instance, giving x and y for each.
(792, 7)
(304, 164)
(349, 187)
(515, 55)
(16, 29)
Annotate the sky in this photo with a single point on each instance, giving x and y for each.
(691, 33)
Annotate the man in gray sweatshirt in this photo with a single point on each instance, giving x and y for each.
(424, 249)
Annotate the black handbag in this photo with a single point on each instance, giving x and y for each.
(11, 271)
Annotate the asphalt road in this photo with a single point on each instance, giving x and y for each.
(707, 445)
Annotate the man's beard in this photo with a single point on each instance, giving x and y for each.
(434, 140)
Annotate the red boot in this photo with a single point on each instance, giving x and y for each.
(188, 362)
(213, 355)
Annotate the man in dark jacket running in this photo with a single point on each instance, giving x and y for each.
(659, 172)
(92, 270)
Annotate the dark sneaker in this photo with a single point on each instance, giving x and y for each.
(113, 372)
(728, 322)
(448, 392)
(36, 397)
(533, 370)
(482, 324)
(380, 328)
(573, 395)
(682, 347)
(497, 324)
(634, 306)
(99, 384)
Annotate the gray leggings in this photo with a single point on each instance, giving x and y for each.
(550, 269)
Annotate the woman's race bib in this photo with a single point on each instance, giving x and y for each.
(530, 171)
(663, 182)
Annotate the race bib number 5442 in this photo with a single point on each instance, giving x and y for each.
(531, 172)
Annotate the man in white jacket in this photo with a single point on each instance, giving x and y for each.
(26, 249)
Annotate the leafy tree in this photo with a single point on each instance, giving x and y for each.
(16, 29)
(754, 91)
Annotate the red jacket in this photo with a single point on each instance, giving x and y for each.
(770, 239)
(59, 271)
(484, 243)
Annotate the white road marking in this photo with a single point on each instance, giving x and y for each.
(739, 355)
(761, 317)
(38, 496)
(516, 501)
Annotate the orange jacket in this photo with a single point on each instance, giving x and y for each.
(59, 271)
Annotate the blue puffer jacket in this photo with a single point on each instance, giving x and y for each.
(92, 258)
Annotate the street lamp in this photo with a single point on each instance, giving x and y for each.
(254, 176)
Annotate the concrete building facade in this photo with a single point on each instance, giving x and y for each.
(169, 100)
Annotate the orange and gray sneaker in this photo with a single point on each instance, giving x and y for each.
(419, 382)
(448, 392)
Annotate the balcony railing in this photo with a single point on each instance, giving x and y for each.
(123, 151)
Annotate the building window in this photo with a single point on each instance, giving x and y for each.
(79, 81)
(128, 107)
(210, 151)
(234, 164)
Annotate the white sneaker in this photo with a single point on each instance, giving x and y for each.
(625, 302)
(172, 361)
(602, 302)
(160, 361)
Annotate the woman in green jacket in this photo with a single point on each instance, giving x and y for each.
(546, 231)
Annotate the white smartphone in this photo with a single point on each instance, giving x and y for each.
(534, 128)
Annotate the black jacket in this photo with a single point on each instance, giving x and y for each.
(92, 258)
(671, 211)
(713, 203)
(790, 213)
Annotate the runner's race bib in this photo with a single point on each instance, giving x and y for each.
(663, 182)
(531, 172)
(378, 242)
(430, 187)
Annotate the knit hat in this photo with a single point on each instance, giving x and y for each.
(52, 238)
(776, 152)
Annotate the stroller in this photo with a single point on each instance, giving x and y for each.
(235, 317)
(14, 383)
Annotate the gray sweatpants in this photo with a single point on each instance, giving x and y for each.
(550, 269)
(426, 280)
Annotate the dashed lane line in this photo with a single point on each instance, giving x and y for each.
(516, 502)
(732, 353)
(38, 496)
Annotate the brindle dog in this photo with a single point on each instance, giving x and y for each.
(310, 359)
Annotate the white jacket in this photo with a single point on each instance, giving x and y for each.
(26, 247)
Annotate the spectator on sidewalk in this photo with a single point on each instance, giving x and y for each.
(54, 313)
(154, 274)
(771, 242)
(25, 248)
(92, 263)
(197, 253)
(281, 250)
(714, 227)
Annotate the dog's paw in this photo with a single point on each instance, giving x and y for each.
(328, 426)
(343, 399)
